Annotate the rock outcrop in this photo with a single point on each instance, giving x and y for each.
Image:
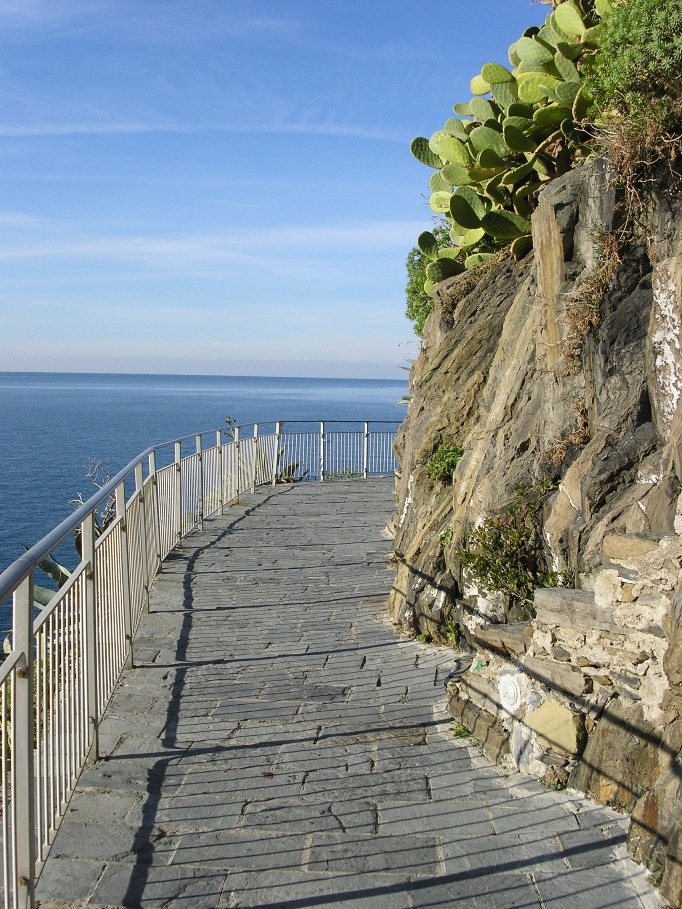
(585, 688)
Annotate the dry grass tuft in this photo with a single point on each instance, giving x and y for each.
(578, 437)
(639, 156)
(583, 306)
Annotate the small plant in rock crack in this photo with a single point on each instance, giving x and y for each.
(424, 638)
(445, 537)
(460, 731)
(583, 305)
(452, 633)
(575, 440)
(442, 463)
(505, 553)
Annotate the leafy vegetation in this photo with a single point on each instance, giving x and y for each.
(505, 552)
(583, 305)
(636, 76)
(445, 537)
(452, 633)
(524, 126)
(598, 74)
(460, 731)
(419, 303)
(442, 463)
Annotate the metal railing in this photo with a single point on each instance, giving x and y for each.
(64, 662)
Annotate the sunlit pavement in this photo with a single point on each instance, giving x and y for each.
(277, 745)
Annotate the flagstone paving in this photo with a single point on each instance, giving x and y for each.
(277, 745)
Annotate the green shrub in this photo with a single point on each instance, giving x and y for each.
(452, 633)
(637, 73)
(419, 302)
(443, 461)
(445, 537)
(505, 553)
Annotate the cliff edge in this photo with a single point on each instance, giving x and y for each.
(557, 380)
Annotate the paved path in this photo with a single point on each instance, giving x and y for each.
(278, 746)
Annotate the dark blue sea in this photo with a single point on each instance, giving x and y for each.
(52, 424)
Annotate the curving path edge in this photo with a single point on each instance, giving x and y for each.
(276, 745)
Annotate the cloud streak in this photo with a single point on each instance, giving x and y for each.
(244, 246)
(50, 129)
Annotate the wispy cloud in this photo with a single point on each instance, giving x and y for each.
(30, 20)
(244, 246)
(128, 127)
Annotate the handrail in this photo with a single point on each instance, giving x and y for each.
(64, 664)
(19, 570)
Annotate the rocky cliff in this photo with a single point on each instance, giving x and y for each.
(560, 376)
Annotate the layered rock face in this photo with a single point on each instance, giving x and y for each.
(586, 687)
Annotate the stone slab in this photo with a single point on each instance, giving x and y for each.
(574, 609)
(287, 749)
(339, 853)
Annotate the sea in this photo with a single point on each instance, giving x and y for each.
(52, 425)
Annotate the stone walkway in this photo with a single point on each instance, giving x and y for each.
(278, 746)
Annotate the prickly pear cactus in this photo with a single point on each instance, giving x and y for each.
(523, 126)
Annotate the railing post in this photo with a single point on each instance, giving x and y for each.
(154, 487)
(254, 469)
(322, 450)
(125, 570)
(139, 488)
(365, 450)
(91, 680)
(23, 733)
(178, 493)
(221, 476)
(236, 462)
(200, 456)
(275, 456)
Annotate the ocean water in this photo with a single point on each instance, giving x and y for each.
(52, 424)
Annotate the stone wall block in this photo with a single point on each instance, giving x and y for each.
(576, 609)
(620, 758)
(561, 678)
(557, 728)
(503, 638)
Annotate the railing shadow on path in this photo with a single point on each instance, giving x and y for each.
(492, 881)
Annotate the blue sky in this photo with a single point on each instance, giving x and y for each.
(220, 186)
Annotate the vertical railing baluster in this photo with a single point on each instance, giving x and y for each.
(125, 572)
(142, 523)
(322, 450)
(237, 462)
(6, 795)
(221, 469)
(365, 451)
(254, 468)
(22, 751)
(200, 503)
(276, 453)
(154, 487)
(178, 493)
(88, 547)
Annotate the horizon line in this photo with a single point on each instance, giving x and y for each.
(191, 375)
